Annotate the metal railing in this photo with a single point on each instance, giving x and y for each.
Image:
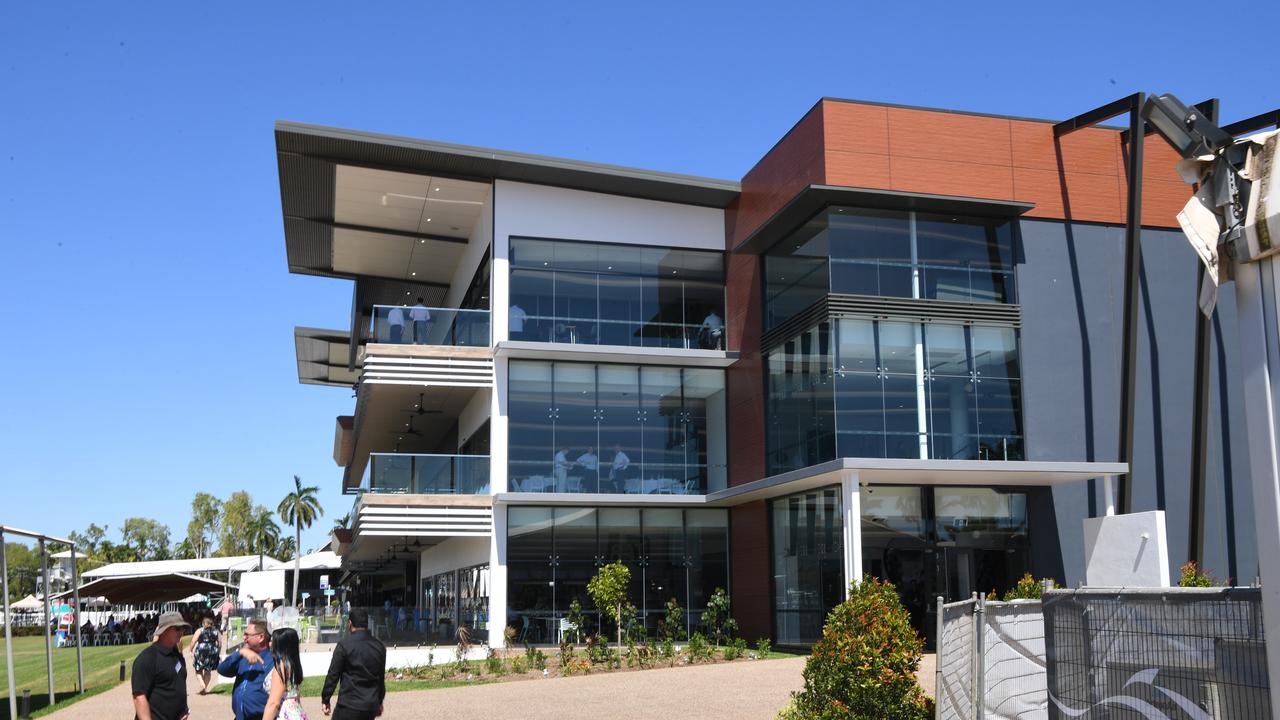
(419, 325)
(401, 473)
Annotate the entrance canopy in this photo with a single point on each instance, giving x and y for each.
(157, 587)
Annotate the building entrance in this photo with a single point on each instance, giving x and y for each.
(948, 541)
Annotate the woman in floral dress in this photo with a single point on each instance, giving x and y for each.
(282, 682)
(206, 649)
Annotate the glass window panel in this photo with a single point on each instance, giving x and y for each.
(967, 515)
(576, 308)
(533, 291)
(859, 403)
(953, 422)
(869, 234)
(621, 320)
(664, 562)
(999, 419)
(898, 343)
(576, 555)
(901, 414)
(621, 541)
(707, 556)
(576, 429)
(531, 423)
(670, 320)
(706, 438)
(857, 351)
(578, 256)
(808, 560)
(663, 432)
(946, 351)
(622, 260)
(892, 513)
(620, 429)
(856, 277)
(529, 253)
(704, 314)
(995, 351)
(529, 562)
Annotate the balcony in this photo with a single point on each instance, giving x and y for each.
(441, 327)
(406, 474)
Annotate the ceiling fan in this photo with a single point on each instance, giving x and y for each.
(421, 408)
(408, 429)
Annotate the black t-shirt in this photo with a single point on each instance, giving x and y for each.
(161, 675)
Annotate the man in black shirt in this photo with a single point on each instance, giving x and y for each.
(360, 661)
(160, 674)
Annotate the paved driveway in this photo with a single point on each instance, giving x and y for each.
(737, 691)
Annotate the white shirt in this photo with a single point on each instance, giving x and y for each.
(419, 312)
(713, 321)
(589, 460)
(620, 460)
(516, 317)
(560, 462)
(396, 316)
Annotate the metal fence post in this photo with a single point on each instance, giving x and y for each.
(979, 669)
(937, 666)
(48, 618)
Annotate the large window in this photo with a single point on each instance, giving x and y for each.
(553, 553)
(856, 387)
(889, 254)
(576, 427)
(808, 562)
(454, 599)
(598, 294)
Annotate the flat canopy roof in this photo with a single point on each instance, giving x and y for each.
(323, 357)
(237, 563)
(156, 587)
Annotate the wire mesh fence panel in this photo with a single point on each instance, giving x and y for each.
(1167, 653)
(956, 677)
(1013, 660)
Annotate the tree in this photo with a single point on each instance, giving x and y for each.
(237, 517)
(343, 522)
(264, 534)
(299, 508)
(24, 568)
(608, 590)
(286, 548)
(202, 530)
(87, 544)
(145, 539)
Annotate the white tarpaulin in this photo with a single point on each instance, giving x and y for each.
(262, 585)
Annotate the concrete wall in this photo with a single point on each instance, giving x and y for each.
(1071, 285)
(453, 554)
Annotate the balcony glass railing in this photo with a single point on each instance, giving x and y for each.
(417, 325)
(398, 473)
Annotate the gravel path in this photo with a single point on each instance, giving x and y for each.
(737, 691)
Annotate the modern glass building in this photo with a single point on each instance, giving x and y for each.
(892, 349)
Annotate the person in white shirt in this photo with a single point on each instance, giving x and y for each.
(618, 468)
(395, 320)
(420, 316)
(560, 468)
(712, 332)
(515, 321)
(590, 462)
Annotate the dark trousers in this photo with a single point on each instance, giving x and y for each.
(420, 332)
(342, 713)
(397, 332)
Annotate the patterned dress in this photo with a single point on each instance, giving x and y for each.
(206, 650)
(291, 706)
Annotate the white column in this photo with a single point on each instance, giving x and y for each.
(1259, 358)
(500, 273)
(922, 415)
(851, 505)
(1109, 497)
(498, 576)
(498, 428)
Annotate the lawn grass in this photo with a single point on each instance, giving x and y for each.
(101, 671)
(311, 686)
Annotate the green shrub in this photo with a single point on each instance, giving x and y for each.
(495, 664)
(577, 620)
(764, 647)
(519, 665)
(735, 649)
(1192, 576)
(608, 590)
(667, 650)
(1028, 588)
(699, 649)
(865, 664)
(718, 618)
(671, 626)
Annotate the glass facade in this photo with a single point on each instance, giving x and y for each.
(553, 553)
(637, 429)
(855, 387)
(808, 562)
(890, 254)
(606, 294)
(454, 599)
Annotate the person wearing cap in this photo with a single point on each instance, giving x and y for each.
(160, 674)
(250, 665)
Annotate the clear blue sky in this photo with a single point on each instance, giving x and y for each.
(147, 308)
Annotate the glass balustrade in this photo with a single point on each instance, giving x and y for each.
(418, 325)
(399, 473)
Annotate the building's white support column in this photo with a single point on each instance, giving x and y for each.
(498, 577)
(1257, 290)
(922, 413)
(500, 273)
(1109, 497)
(851, 505)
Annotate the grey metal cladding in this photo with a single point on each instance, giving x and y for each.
(308, 246)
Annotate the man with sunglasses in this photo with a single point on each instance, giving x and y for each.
(249, 665)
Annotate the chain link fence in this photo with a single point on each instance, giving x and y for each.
(991, 660)
(1171, 653)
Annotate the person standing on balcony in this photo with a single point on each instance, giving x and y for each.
(618, 469)
(590, 462)
(420, 316)
(395, 321)
(560, 469)
(712, 332)
(515, 321)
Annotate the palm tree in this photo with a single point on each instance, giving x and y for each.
(299, 508)
(264, 535)
(343, 521)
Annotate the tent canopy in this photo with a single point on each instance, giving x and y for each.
(29, 602)
(157, 587)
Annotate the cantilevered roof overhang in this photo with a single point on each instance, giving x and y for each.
(871, 471)
(309, 157)
(324, 357)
